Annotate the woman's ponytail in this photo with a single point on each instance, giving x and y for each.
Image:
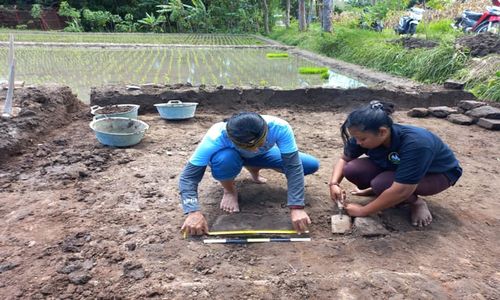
(368, 118)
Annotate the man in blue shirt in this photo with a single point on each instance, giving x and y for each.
(252, 141)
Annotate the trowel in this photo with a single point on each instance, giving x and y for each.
(340, 204)
(341, 223)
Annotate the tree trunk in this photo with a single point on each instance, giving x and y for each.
(326, 22)
(302, 15)
(287, 14)
(310, 12)
(266, 16)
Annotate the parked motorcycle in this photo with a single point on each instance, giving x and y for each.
(376, 25)
(408, 24)
(471, 21)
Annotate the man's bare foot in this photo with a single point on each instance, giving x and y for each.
(229, 202)
(254, 172)
(420, 214)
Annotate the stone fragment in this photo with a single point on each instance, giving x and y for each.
(485, 111)
(460, 119)
(490, 124)
(442, 111)
(79, 277)
(367, 226)
(8, 266)
(133, 87)
(418, 112)
(133, 270)
(470, 104)
(454, 84)
(341, 224)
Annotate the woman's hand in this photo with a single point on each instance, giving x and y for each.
(355, 210)
(337, 194)
(195, 224)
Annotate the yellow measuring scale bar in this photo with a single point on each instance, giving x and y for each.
(257, 231)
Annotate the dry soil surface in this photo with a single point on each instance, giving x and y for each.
(80, 220)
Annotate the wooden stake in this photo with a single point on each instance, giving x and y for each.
(7, 109)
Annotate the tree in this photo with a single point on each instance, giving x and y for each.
(266, 16)
(287, 14)
(326, 22)
(302, 15)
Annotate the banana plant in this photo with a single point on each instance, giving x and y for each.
(153, 23)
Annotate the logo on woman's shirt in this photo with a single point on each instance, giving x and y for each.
(393, 157)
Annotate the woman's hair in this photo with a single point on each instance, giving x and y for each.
(368, 118)
(246, 128)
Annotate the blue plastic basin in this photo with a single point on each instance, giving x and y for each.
(176, 110)
(119, 132)
(131, 113)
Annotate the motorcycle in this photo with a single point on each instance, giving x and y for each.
(471, 21)
(408, 24)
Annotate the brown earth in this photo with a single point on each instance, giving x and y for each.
(83, 221)
(481, 44)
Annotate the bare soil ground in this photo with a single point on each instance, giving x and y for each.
(481, 44)
(83, 221)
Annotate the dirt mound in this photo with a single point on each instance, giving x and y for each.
(481, 44)
(40, 109)
(414, 43)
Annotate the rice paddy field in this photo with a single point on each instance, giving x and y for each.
(130, 38)
(82, 67)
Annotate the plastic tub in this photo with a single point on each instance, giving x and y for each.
(176, 110)
(130, 113)
(119, 132)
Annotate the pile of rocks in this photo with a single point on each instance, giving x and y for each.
(467, 112)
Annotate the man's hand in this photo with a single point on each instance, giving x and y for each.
(195, 224)
(300, 219)
(355, 210)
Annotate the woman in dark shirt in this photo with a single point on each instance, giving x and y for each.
(402, 163)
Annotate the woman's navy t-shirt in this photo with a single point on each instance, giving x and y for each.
(414, 152)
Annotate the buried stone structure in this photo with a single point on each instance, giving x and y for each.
(467, 112)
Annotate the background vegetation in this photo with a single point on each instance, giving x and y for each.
(339, 29)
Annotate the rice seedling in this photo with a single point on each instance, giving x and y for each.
(312, 70)
(277, 55)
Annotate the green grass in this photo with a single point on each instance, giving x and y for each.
(312, 70)
(376, 50)
(277, 55)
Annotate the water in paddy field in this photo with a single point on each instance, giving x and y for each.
(83, 68)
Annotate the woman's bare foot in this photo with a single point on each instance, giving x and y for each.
(365, 192)
(229, 202)
(420, 214)
(254, 172)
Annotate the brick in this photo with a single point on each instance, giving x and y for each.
(454, 84)
(442, 111)
(367, 226)
(341, 224)
(418, 112)
(490, 124)
(460, 119)
(486, 111)
(470, 104)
